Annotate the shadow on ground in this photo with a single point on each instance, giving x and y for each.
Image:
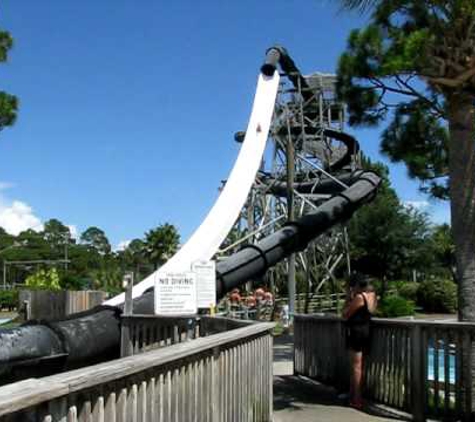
(293, 393)
(296, 396)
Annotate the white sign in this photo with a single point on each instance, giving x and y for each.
(205, 272)
(175, 293)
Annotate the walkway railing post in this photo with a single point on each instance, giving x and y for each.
(215, 386)
(417, 374)
(126, 348)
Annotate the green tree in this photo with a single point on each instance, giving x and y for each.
(133, 258)
(161, 243)
(58, 237)
(443, 249)
(95, 238)
(8, 102)
(389, 240)
(415, 63)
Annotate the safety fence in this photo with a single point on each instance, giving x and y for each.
(423, 368)
(218, 377)
(45, 304)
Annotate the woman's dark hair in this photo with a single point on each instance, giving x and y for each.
(359, 280)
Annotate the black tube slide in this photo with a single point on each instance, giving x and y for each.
(254, 260)
(279, 55)
(324, 185)
(94, 335)
(352, 148)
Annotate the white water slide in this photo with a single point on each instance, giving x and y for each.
(206, 240)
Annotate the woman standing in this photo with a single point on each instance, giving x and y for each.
(359, 308)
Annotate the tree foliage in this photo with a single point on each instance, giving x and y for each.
(95, 238)
(8, 102)
(389, 239)
(93, 264)
(414, 64)
(404, 65)
(161, 243)
(44, 280)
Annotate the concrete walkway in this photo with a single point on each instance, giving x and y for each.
(299, 397)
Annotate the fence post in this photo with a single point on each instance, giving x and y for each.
(27, 309)
(417, 374)
(215, 386)
(126, 348)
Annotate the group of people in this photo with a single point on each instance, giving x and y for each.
(260, 297)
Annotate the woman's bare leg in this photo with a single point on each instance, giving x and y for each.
(356, 377)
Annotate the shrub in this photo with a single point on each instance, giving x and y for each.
(408, 290)
(395, 306)
(8, 299)
(73, 282)
(438, 295)
(44, 280)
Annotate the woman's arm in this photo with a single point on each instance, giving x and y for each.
(356, 303)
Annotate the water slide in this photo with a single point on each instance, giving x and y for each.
(206, 240)
(37, 348)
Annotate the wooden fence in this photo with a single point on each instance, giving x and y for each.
(316, 303)
(217, 378)
(141, 333)
(421, 367)
(44, 304)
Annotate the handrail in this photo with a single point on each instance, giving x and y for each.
(422, 367)
(395, 322)
(28, 393)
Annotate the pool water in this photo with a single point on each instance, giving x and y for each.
(441, 359)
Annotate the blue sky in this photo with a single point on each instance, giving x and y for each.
(128, 109)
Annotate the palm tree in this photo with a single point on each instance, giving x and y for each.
(161, 243)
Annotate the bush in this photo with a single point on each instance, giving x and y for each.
(44, 280)
(395, 306)
(73, 282)
(8, 299)
(437, 295)
(408, 290)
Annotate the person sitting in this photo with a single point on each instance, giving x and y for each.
(359, 308)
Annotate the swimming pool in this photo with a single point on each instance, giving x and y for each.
(440, 364)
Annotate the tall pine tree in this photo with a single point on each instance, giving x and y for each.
(415, 64)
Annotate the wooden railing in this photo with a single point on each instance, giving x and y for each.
(316, 303)
(220, 377)
(141, 333)
(421, 367)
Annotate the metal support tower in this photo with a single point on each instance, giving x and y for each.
(298, 152)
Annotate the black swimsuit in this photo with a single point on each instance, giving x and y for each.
(358, 329)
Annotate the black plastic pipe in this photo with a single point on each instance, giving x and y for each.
(324, 185)
(254, 260)
(279, 55)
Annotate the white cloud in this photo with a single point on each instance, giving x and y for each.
(18, 216)
(6, 185)
(73, 230)
(122, 245)
(418, 205)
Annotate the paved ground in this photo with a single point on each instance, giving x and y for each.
(299, 397)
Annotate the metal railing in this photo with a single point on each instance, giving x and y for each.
(421, 367)
(224, 376)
